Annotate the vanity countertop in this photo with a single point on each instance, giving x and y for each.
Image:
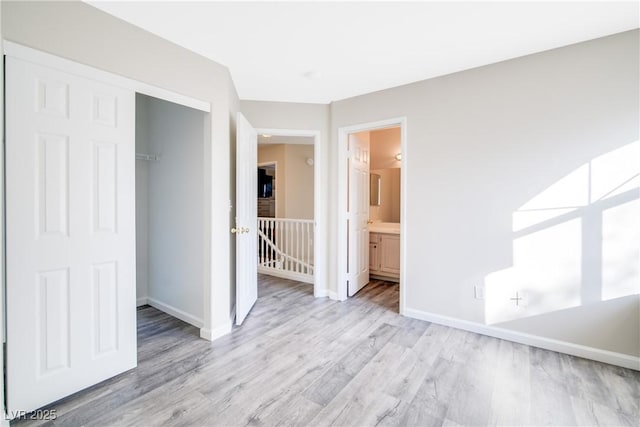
(385, 227)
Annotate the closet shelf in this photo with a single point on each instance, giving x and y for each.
(148, 157)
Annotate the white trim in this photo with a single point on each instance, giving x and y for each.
(4, 422)
(220, 331)
(142, 301)
(176, 312)
(343, 134)
(291, 275)
(320, 284)
(605, 356)
(290, 132)
(385, 278)
(321, 293)
(16, 50)
(214, 334)
(334, 296)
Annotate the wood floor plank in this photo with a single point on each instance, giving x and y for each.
(589, 413)
(410, 376)
(359, 401)
(511, 399)
(342, 372)
(550, 399)
(304, 361)
(431, 400)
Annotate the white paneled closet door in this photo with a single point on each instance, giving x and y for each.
(70, 179)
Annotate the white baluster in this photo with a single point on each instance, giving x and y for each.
(301, 225)
(296, 243)
(259, 242)
(271, 238)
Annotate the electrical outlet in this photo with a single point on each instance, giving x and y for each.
(478, 292)
(521, 299)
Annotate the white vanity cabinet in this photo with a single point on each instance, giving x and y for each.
(384, 256)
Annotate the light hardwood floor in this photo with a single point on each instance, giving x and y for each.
(303, 361)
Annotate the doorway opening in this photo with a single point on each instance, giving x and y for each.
(286, 247)
(170, 220)
(286, 201)
(371, 206)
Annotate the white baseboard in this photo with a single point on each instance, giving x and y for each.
(214, 334)
(320, 293)
(142, 301)
(334, 296)
(175, 312)
(605, 356)
(220, 331)
(298, 277)
(385, 278)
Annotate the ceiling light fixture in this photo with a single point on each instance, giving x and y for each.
(311, 75)
(266, 135)
(398, 156)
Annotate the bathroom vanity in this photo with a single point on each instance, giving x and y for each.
(384, 251)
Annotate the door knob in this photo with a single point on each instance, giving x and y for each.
(245, 229)
(235, 230)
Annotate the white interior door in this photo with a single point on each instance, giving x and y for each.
(358, 212)
(70, 189)
(246, 218)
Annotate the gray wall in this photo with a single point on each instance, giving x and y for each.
(484, 142)
(294, 185)
(298, 180)
(173, 227)
(480, 145)
(2, 275)
(142, 200)
(79, 32)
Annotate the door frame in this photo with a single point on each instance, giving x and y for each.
(19, 51)
(320, 285)
(341, 235)
(52, 61)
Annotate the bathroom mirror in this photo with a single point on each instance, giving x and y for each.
(374, 189)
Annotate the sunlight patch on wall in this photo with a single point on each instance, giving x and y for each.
(546, 273)
(615, 172)
(577, 242)
(621, 251)
(565, 195)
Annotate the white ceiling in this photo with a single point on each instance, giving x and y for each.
(325, 51)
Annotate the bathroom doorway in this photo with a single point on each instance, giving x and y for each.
(371, 206)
